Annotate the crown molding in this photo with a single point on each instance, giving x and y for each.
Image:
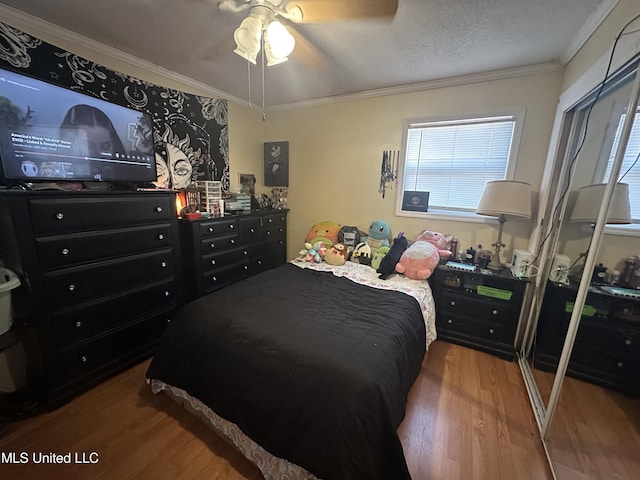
(488, 76)
(590, 26)
(57, 35)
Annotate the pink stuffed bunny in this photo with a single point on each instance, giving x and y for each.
(421, 258)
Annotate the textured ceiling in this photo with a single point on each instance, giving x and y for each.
(427, 40)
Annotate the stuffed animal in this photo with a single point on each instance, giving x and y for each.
(361, 254)
(349, 236)
(421, 258)
(312, 253)
(325, 232)
(379, 233)
(381, 253)
(389, 262)
(336, 254)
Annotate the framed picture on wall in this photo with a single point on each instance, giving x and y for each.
(247, 183)
(276, 164)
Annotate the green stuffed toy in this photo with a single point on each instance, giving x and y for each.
(379, 255)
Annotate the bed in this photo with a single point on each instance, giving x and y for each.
(305, 368)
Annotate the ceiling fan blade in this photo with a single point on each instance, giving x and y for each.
(307, 53)
(332, 10)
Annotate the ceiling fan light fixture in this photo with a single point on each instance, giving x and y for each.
(278, 40)
(247, 37)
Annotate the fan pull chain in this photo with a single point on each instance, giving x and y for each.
(264, 116)
(249, 80)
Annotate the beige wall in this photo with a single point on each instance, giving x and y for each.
(336, 151)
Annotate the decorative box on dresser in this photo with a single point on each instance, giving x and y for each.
(606, 350)
(219, 251)
(100, 278)
(478, 308)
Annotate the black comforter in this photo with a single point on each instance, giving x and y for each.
(314, 368)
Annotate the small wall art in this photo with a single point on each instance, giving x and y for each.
(276, 164)
(247, 183)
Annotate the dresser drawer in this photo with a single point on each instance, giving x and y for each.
(223, 258)
(456, 325)
(57, 251)
(104, 352)
(274, 220)
(83, 321)
(86, 213)
(214, 244)
(614, 365)
(273, 233)
(476, 304)
(217, 227)
(606, 336)
(213, 280)
(78, 284)
(250, 230)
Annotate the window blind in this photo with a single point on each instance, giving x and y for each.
(453, 160)
(632, 176)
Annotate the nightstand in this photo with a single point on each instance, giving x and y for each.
(478, 308)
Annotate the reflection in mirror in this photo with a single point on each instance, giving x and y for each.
(596, 426)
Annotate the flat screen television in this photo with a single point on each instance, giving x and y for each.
(50, 133)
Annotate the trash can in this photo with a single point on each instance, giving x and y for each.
(8, 281)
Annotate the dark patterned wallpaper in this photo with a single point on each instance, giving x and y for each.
(185, 126)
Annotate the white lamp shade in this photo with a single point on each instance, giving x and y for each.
(247, 37)
(505, 197)
(589, 200)
(280, 41)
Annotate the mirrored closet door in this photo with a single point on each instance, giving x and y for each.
(581, 354)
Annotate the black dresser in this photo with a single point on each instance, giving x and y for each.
(101, 276)
(477, 308)
(220, 251)
(606, 351)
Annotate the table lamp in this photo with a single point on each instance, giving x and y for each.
(502, 199)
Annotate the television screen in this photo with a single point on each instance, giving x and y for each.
(51, 133)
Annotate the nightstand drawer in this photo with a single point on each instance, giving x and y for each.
(457, 325)
(480, 306)
(604, 336)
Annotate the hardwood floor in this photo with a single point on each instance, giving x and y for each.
(595, 434)
(468, 417)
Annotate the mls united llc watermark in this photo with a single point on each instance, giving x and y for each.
(51, 457)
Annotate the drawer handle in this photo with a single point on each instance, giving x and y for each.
(161, 237)
(211, 229)
(252, 230)
(213, 262)
(59, 215)
(270, 220)
(84, 359)
(214, 279)
(619, 364)
(166, 293)
(163, 264)
(158, 209)
(245, 253)
(231, 226)
(233, 241)
(491, 331)
(452, 303)
(281, 230)
(449, 321)
(78, 324)
(494, 311)
(212, 245)
(268, 233)
(259, 262)
(281, 242)
(168, 320)
(71, 287)
(246, 267)
(64, 251)
(628, 341)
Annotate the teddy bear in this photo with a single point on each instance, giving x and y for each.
(421, 258)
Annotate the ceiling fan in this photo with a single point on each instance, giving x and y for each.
(262, 29)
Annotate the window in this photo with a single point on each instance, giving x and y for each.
(630, 170)
(454, 159)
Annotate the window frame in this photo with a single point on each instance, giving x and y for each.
(458, 215)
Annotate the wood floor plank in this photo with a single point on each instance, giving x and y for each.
(467, 417)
